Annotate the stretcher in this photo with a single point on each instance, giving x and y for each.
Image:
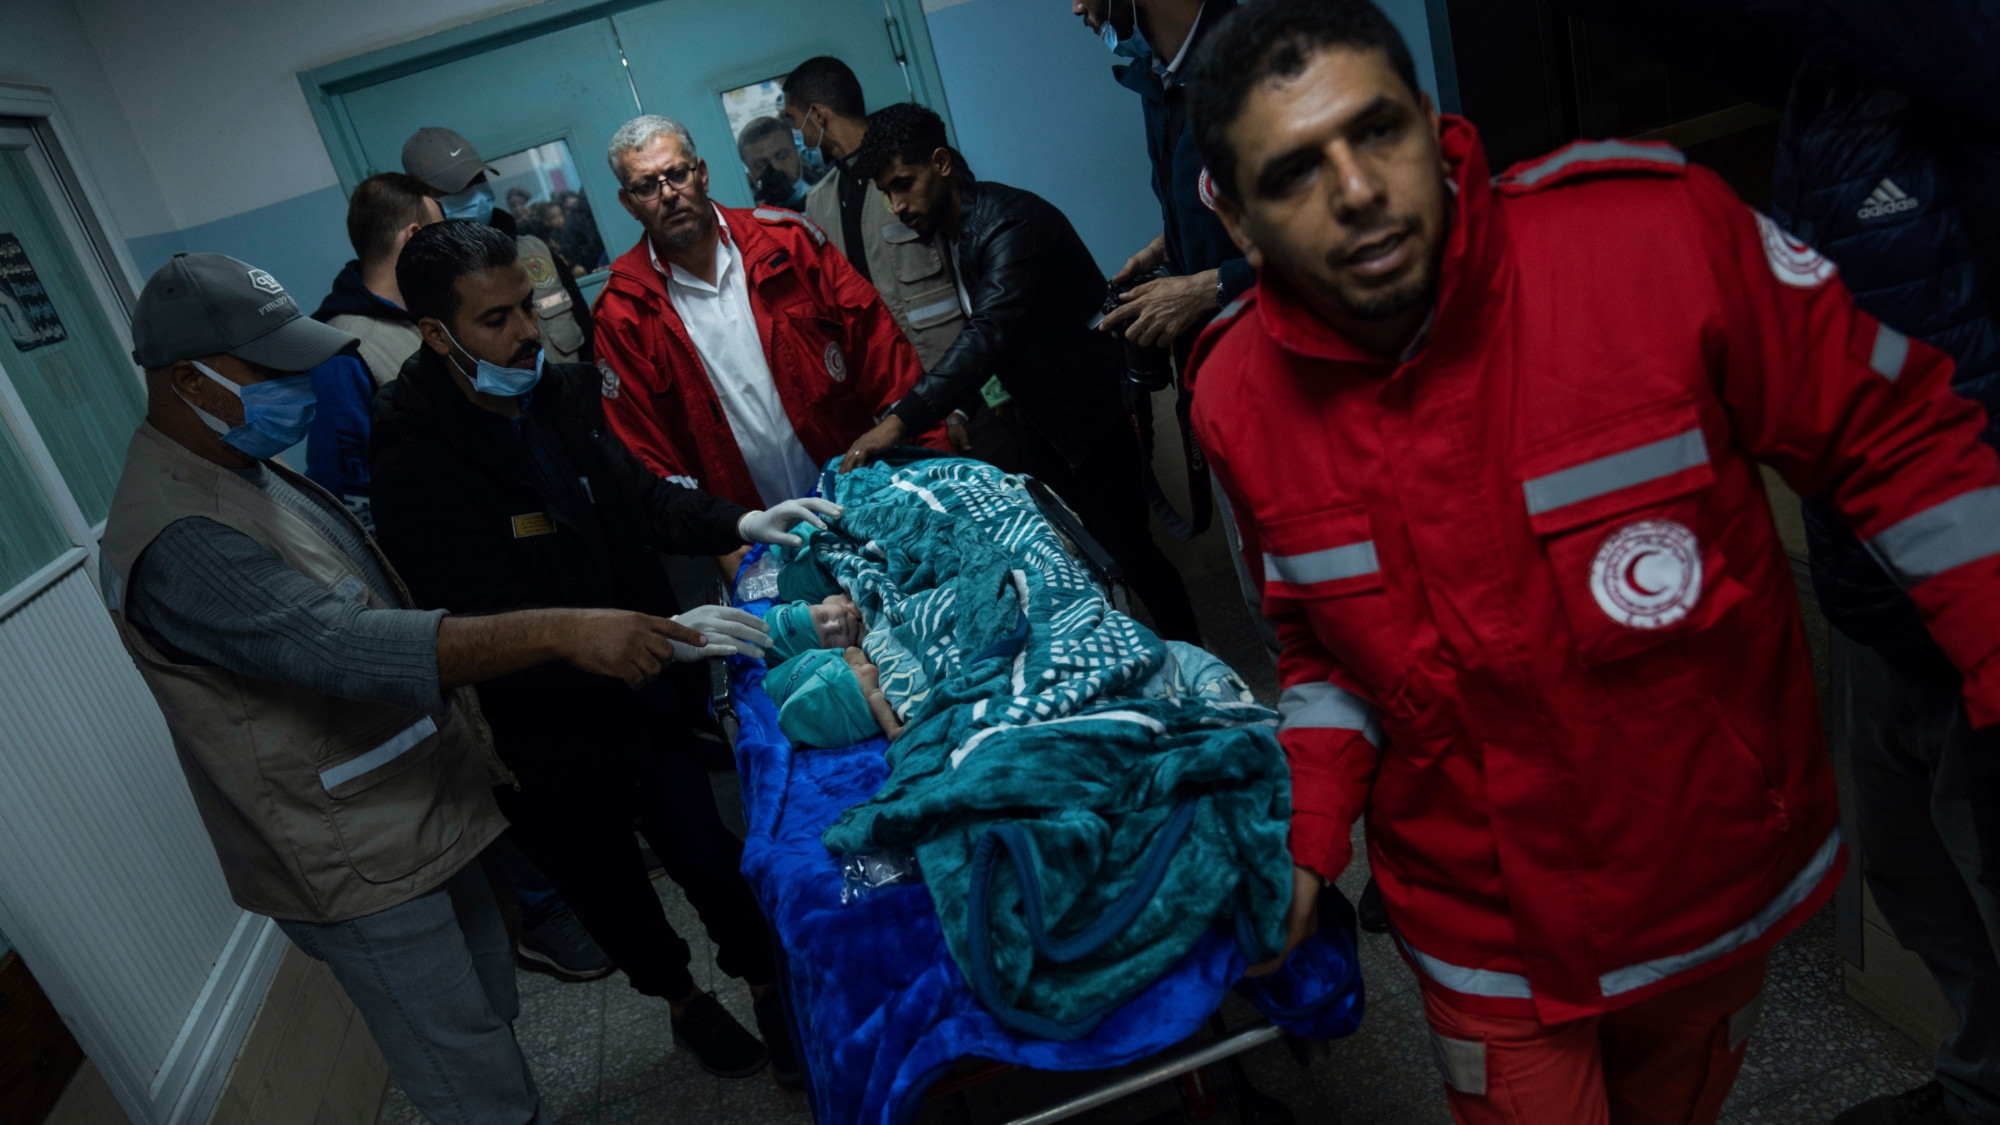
(882, 1016)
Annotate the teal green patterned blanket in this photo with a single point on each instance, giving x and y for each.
(1085, 803)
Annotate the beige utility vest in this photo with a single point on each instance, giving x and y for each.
(385, 344)
(562, 334)
(321, 809)
(909, 272)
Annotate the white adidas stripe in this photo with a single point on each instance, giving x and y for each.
(1887, 192)
(1887, 199)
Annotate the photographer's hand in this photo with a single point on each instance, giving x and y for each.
(1144, 262)
(1156, 313)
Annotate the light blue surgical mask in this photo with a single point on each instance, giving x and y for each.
(810, 157)
(797, 200)
(276, 413)
(475, 203)
(1133, 46)
(493, 379)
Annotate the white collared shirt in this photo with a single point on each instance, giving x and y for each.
(724, 329)
(1172, 69)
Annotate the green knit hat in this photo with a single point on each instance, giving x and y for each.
(800, 575)
(819, 700)
(791, 627)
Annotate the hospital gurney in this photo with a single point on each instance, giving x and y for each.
(882, 1013)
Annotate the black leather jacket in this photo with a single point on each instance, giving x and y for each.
(1034, 288)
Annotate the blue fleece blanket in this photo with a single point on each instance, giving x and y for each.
(880, 1004)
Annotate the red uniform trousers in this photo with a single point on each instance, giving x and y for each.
(1669, 1060)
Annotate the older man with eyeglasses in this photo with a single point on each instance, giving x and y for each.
(738, 351)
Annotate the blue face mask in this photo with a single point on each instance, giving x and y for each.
(493, 379)
(810, 158)
(276, 413)
(1131, 47)
(475, 203)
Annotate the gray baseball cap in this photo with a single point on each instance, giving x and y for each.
(443, 159)
(206, 304)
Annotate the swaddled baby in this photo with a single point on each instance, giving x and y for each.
(833, 622)
(827, 692)
(828, 697)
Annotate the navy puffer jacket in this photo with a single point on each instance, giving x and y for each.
(1888, 162)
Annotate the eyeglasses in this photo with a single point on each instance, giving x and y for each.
(673, 178)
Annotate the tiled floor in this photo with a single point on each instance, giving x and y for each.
(603, 1054)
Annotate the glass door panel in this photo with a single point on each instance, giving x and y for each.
(64, 358)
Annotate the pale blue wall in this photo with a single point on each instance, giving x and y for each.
(301, 241)
(1035, 106)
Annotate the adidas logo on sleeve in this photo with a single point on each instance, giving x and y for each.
(1887, 199)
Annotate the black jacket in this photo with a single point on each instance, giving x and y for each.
(1034, 288)
(480, 516)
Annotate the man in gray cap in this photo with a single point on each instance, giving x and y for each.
(452, 168)
(328, 731)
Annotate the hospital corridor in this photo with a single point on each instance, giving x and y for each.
(1000, 562)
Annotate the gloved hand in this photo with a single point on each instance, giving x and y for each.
(729, 631)
(774, 525)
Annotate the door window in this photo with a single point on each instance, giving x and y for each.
(544, 192)
(778, 167)
(65, 360)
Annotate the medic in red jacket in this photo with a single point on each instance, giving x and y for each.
(836, 354)
(1537, 623)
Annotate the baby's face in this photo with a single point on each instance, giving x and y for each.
(837, 622)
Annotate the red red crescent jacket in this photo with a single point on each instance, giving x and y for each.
(1537, 622)
(836, 353)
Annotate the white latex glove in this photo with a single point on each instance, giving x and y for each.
(729, 631)
(774, 525)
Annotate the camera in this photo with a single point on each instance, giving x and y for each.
(1151, 369)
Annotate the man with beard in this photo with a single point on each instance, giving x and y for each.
(738, 352)
(823, 102)
(1031, 287)
(1492, 445)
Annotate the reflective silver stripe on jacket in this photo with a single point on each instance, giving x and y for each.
(398, 745)
(1942, 536)
(1891, 349)
(1638, 465)
(1472, 982)
(1351, 561)
(1489, 982)
(1797, 891)
(782, 215)
(1323, 706)
(1232, 308)
(1598, 150)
